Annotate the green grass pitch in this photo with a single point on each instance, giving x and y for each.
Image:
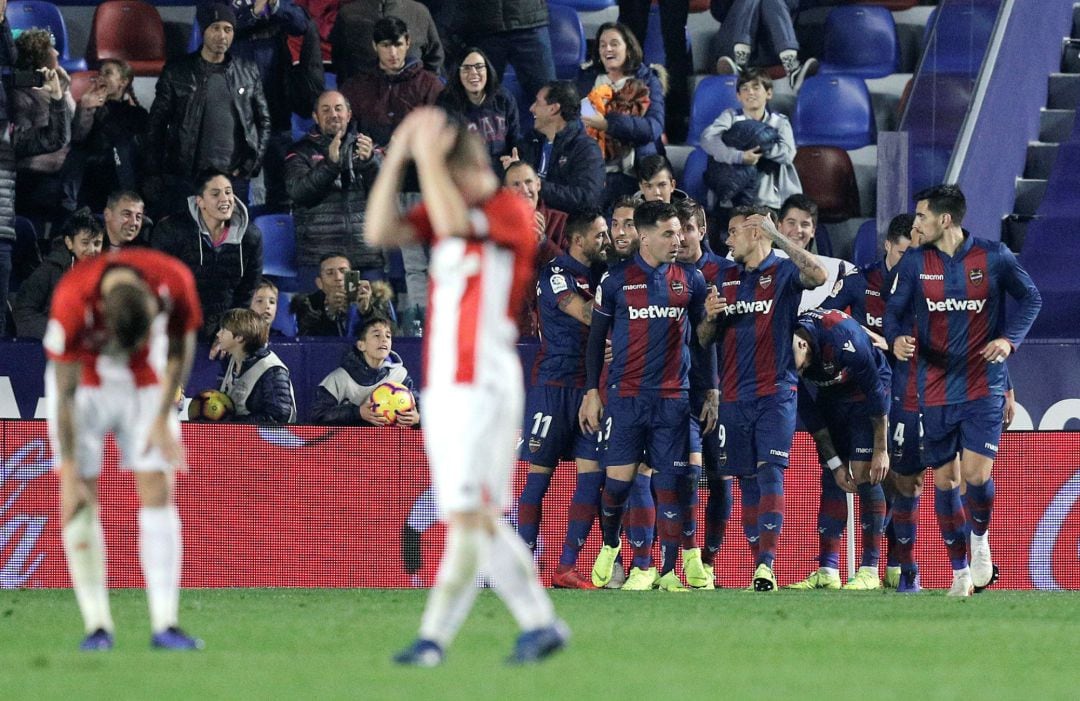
(336, 644)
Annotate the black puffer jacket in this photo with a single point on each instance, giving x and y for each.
(31, 310)
(490, 16)
(328, 201)
(271, 400)
(31, 141)
(225, 276)
(177, 114)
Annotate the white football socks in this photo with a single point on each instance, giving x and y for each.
(455, 590)
(510, 565)
(160, 555)
(84, 548)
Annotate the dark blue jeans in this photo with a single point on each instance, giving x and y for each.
(527, 50)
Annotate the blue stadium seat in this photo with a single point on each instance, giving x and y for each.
(279, 245)
(693, 176)
(866, 244)
(284, 321)
(712, 96)
(567, 41)
(301, 126)
(653, 46)
(860, 40)
(584, 5)
(834, 110)
(956, 37)
(195, 40)
(25, 14)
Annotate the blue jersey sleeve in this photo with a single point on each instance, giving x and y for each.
(1015, 280)
(898, 309)
(603, 313)
(843, 298)
(860, 359)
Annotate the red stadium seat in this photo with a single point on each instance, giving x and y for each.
(828, 178)
(130, 30)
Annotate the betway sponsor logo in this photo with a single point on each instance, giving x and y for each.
(761, 306)
(956, 305)
(654, 311)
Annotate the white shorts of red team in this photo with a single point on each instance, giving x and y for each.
(119, 407)
(470, 433)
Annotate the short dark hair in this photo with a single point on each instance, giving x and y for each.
(649, 213)
(118, 196)
(579, 222)
(333, 254)
(650, 166)
(749, 75)
(802, 202)
(565, 94)
(370, 321)
(249, 325)
(127, 313)
(82, 220)
(749, 210)
(389, 28)
(945, 199)
(625, 201)
(688, 208)
(634, 55)
(900, 227)
(206, 175)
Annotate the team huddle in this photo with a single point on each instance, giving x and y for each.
(709, 364)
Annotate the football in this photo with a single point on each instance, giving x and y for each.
(210, 405)
(391, 398)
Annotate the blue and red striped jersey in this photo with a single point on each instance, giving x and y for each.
(845, 366)
(860, 295)
(710, 266)
(651, 312)
(561, 358)
(957, 304)
(754, 332)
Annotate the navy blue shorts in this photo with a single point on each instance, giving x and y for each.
(551, 432)
(638, 426)
(905, 442)
(753, 431)
(850, 428)
(975, 425)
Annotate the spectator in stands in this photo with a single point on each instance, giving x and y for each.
(798, 221)
(107, 137)
(209, 112)
(264, 301)
(522, 179)
(344, 396)
(626, 98)
(328, 173)
(255, 378)
(751, 150)
(743, 23)
(353, 48)
(124, 220)
(323, 14)
(392, 85)
(261, 30)
(562, 154)
(325, 312)
(40, 183)
(220, 245)
(474, 94)
(673, 15)
(656, 180)
(80, 238)
(508, 31)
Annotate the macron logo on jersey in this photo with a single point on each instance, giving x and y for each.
(956, 305)
(654, 311)
(761, 306)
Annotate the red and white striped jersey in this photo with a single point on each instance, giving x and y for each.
(477, 288)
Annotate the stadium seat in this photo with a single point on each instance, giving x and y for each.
(693, 176)
(284, 321)
(301, 126)
(828, 178)
(567, 41)
(81, 81)
(865, 249)
(130, 30)
(891, 5)
(860, 40)
(584, 5)
(25, 14)
(653, 46)
(195, 40)
(712, 96)
(834, 110)
(279, 245)
(956, 37)
(699, 6)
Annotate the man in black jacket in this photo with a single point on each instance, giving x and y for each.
(209, 112)
(563, 155)
(216, 240)
(328, 174)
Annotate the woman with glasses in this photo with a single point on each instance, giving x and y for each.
(474, 95)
